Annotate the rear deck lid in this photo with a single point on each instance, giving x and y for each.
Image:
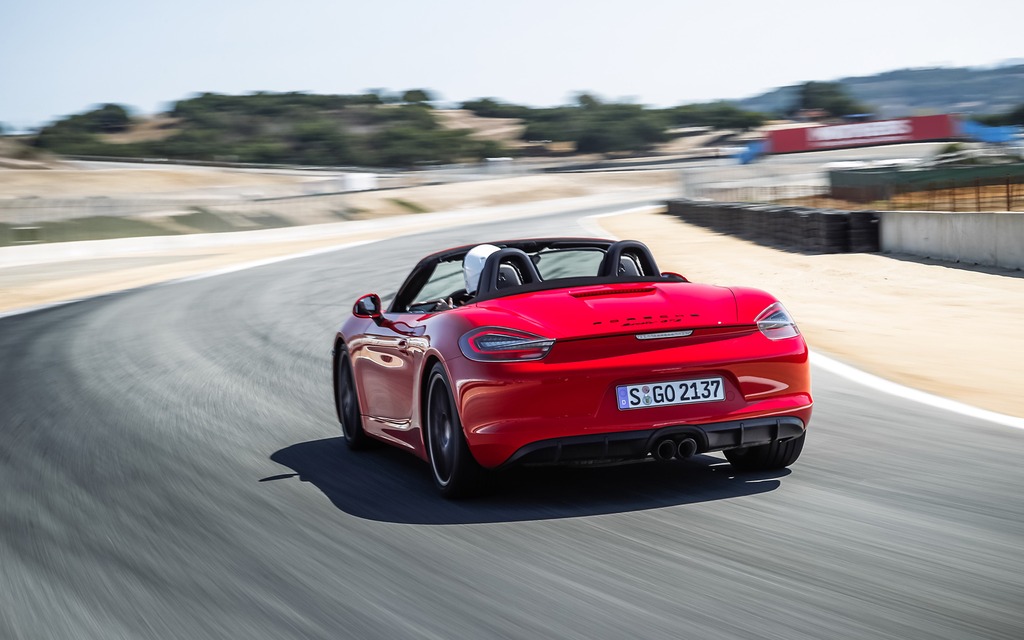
(609, 309)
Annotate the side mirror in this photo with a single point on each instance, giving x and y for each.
(368, 306)
(672, 275)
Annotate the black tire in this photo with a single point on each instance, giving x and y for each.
(456, 472)
(348, 405)
(766, 457)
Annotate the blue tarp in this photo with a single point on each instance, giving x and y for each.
(753, 151)
(984, 133)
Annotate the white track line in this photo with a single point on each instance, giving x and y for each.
(593, 227)
(48, 305)
(907, 393)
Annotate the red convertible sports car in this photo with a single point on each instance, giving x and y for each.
(569, 351)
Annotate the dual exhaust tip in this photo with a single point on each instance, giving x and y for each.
(669, 449)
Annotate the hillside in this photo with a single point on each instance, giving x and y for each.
(404, 131)
(912, 91)
(15, 154)
(506, 131)
(373, 131)
(292, 128)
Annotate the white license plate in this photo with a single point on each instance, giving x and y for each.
(663, 394)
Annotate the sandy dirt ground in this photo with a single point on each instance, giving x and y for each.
(69, 182)
(504, 130)
(159, 127)
(948, 330)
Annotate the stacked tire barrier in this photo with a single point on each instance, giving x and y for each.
(800, 228)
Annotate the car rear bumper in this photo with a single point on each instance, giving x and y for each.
(636, 445)
(507, 407)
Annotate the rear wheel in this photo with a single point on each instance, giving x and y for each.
(348, 405)
(766, 457)
(456, 473)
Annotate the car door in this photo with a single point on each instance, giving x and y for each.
(387, 363)
(391, 352)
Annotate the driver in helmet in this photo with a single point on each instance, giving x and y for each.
(473, 266)
(472, 269)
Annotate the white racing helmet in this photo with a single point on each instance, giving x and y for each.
(473, 265)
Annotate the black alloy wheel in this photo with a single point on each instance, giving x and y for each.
(456, 473)
(348, 405)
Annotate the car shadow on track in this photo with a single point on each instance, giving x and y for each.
(389, 485)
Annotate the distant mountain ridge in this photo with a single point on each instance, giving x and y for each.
(905, 92)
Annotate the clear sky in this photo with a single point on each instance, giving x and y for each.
(58, 57)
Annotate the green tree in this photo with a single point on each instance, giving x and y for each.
(321, 142)
(417, 96)
(618, 127)
(368, 98)
(279, 128)
(598, 127)
(416, 115)
(110, 118)
(587, 100)
(65, 139)
(1016, 116)
(828, 96)
(717, 115)
(491, 108)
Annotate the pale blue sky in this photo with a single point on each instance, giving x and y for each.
(60, 56)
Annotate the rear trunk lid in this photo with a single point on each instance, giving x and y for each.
(611, 309)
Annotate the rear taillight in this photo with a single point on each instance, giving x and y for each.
(495, 344)
(776, 324)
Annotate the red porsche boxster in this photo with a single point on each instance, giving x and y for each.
(569, 351)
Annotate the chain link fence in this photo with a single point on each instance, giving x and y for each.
(982, 195)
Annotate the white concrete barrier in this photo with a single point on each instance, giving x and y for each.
(993, 239)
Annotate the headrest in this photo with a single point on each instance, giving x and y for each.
(517, 258)
(611, 264)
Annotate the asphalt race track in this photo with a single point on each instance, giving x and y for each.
(170, 467)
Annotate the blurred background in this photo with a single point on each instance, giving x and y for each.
(182, 120)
